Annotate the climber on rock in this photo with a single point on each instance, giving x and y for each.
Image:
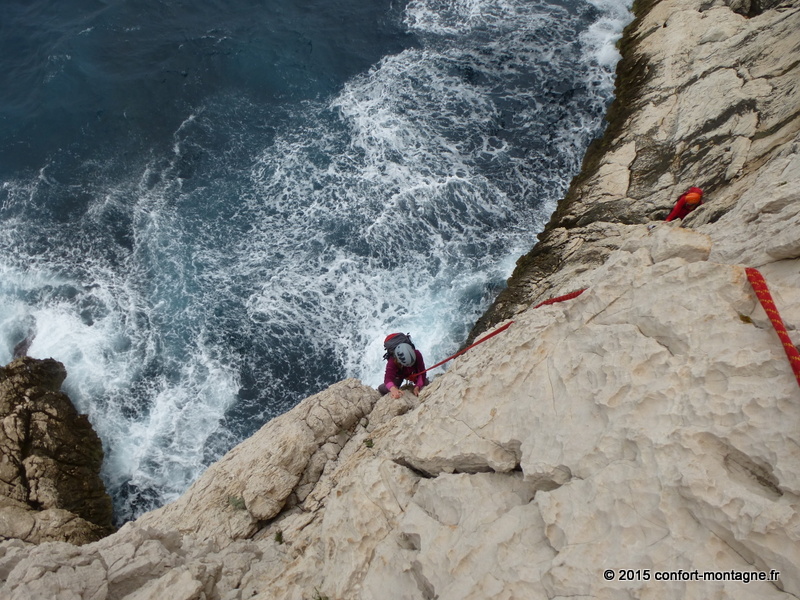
(689, 200)
(403, 361)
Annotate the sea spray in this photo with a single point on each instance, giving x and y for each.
(257, 243)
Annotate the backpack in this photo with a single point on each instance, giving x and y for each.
(393, 340)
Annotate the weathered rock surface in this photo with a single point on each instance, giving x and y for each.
(213, 542)
(704, 97)
(279, 465)
(648, 425)
(50, 459)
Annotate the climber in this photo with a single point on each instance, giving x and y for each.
(689, 200)
(403, 361)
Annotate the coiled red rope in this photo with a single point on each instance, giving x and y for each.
(762, 293)
(569, 296)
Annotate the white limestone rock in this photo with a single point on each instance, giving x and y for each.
(720, 99)
(253, 482)
(649, 424)
(135, 563)
(643, 425)
(452, 542)
(772, 206)
(640, 411)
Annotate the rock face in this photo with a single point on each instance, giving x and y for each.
(705, 97)
(638, 441)
(245, 489)
(50, 458)
(240, 523)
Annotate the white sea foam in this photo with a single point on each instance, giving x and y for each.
(134, 338)
(459, 17)
(400, 204)
(402, 167)
(601, 37)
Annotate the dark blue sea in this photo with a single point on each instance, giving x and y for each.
(210, 210)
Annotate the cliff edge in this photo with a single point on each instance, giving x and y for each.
(705, 96)
(637, 441)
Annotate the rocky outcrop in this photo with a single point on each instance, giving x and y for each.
(704, 97)
(247, 488)
(241, 522)
(50, 459)
(638, 441)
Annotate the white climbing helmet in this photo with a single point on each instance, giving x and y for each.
(405, 354)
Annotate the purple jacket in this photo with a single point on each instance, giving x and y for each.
(395, 374)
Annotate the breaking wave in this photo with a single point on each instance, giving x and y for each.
(199, 283)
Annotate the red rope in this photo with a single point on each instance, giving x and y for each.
(480, 341)
(569, 296)
(762, 293)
